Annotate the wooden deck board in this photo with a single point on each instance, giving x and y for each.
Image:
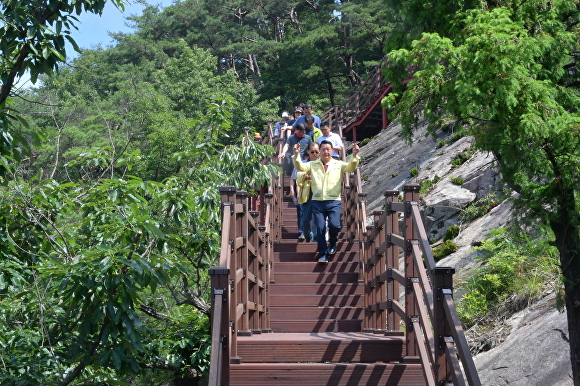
(323, 374)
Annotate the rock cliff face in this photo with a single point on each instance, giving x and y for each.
(535, 350)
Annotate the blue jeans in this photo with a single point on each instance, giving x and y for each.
(309, 231)
(299, 216)
(323, 211)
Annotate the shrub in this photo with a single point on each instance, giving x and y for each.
(427, 184)
(479, 208)
(441, 144)
(414, 172)
(457, 180)
(462, 157)
(445, 249)
(393, 175)
(366, 177)
(364, 141)
(451, 233)
(515, 267)
(457, 135)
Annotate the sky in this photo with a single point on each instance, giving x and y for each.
(94, 29)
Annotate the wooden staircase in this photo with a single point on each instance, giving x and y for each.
(316, 319)
(381, 312)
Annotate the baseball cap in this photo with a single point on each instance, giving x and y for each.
(285, 114)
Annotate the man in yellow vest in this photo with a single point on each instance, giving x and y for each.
(326, 183)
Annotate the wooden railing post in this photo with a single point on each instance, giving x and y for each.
(380, 267)
(442, 280)
(369, 248)
(266, 251)
(220, 327)
(411, 197)
(256, 270)
(223, 341)
(243, 327)
(392, 257)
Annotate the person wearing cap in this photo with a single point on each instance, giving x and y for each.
(328, 135)
(299, 137)
(326, 183)
(306, 111)
(297, 114)
(282, 125)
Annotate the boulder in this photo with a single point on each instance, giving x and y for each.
(535, 353)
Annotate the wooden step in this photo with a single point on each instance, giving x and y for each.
(317, 325)
(327, 374)
(321, 347)
(312, 256)
(293, 245)
(312, 266)
(315, 313)
(316, 277)
(316, 289)
(290, 300)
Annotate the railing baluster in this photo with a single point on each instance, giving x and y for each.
(411, 192)
(392, 257)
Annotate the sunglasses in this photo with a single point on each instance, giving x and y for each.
(313, 152)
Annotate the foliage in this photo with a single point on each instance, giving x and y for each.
(457, 135)
(414, 172)
(506, 70)
(364, 141)
(83, 263)
(445, 249)
(462, 157)
(135, 115)
(479, 207)
(457, 180)
(292, 51)
(427, 184)
(33, 40)
(451, 232)
(512, 266)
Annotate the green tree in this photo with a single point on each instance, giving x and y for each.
(33, 40)
(84, 264)
(297, 51)
(508, 74)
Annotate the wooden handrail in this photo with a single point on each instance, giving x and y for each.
(355, 106)
(240, 301)
(433, 329)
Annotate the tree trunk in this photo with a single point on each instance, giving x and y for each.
(570, 262)
(572, 288)
(567, 234)
(330, 89)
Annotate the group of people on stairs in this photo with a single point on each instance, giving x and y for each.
(312, 157)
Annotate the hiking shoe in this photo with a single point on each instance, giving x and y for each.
(323, 259)
(332, 249)
(301, 237)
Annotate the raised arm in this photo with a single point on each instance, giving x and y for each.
(298, 164)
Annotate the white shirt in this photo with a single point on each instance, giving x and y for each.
(334, 139)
